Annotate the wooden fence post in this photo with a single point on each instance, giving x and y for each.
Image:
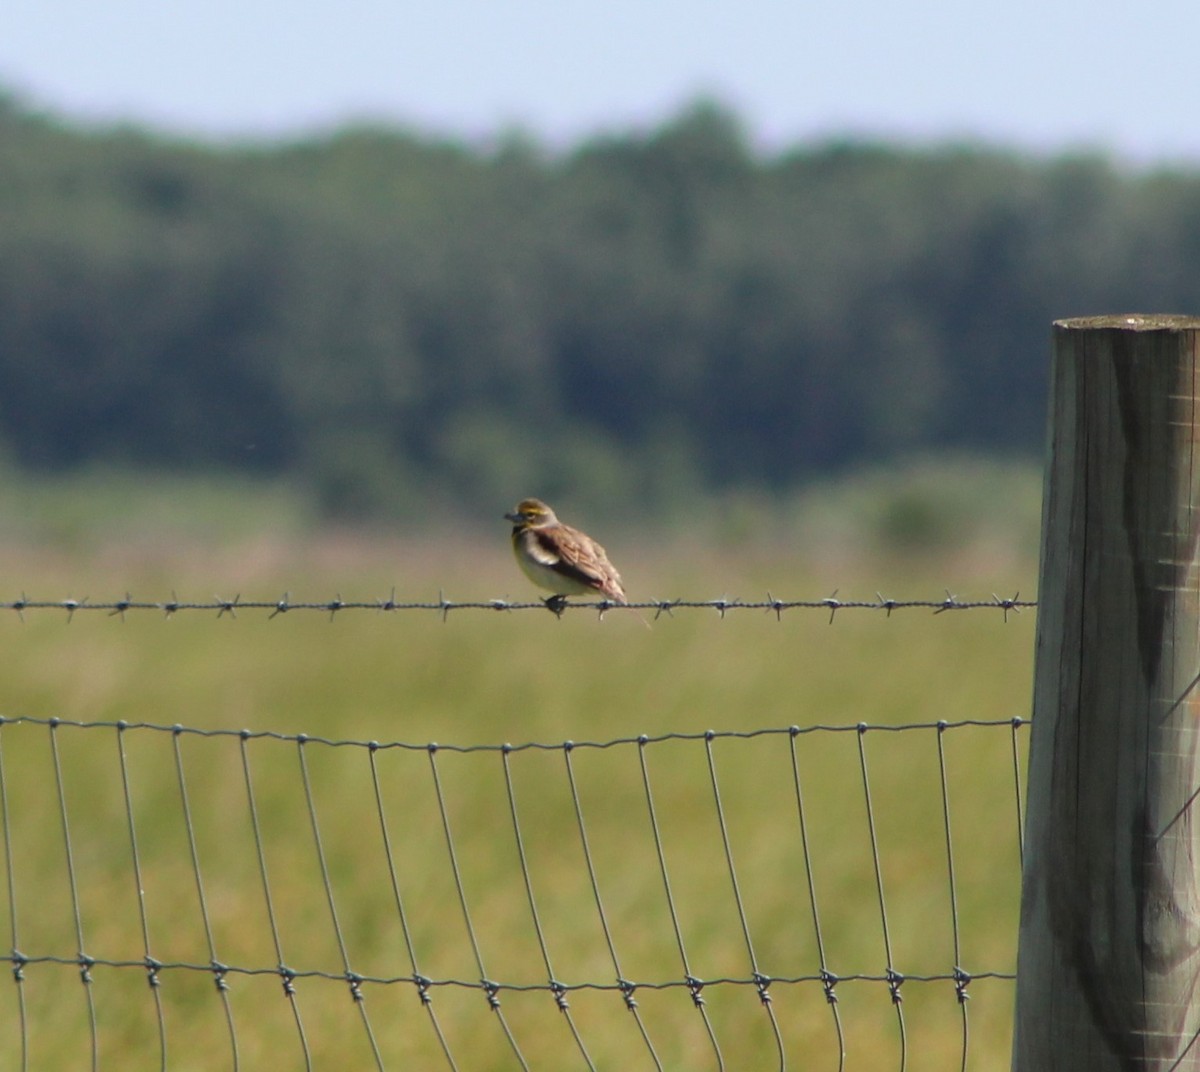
(1110, 905)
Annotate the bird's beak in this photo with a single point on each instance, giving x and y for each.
(514, 517)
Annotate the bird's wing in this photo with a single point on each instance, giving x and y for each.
(581, 558)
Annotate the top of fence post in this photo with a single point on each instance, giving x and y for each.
(1110, 912)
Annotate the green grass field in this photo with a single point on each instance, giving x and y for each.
(484, 678)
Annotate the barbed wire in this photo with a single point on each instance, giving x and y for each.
(443, 605)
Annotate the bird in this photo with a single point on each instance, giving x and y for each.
(561, 558)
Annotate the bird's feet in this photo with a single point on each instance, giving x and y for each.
(556, 604)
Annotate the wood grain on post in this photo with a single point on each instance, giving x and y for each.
(1110, 908)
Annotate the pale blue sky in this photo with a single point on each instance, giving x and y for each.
(1038, 74)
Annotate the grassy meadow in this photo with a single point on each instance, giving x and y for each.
(482, 678)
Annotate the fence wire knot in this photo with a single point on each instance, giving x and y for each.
(962, 979)
(762, 984)
(423, 983)
(220, 971)
(627, 988)
(895, 980)
(289, 979)
(491, 990)
(695, 986)
(829, 983)
(560, 995)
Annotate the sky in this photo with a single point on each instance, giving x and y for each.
(1040, 75)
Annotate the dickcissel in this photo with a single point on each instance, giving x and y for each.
(560, 558)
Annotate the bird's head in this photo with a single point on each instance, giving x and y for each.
(531, 512)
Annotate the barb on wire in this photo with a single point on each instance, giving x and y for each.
(443, 605)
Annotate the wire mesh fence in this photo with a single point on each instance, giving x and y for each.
(408, 900)
(822, 895)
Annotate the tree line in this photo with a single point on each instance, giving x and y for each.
(396, 320)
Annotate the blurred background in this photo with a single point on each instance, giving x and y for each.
(697, 266)
(302, 297)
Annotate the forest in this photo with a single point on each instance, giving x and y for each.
(399, 322)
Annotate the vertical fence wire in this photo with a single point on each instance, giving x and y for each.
(352, 978)
(152, 965)
(18, 970)
(695, 985)
(829, 980)
(556, 988)
(895, 979)
(490, 988)
(761, 982)
(220, 982)
(1017, 723)
(285, 973)
(627, 988)
(85, 962)
(961, 977)
(422, 983)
